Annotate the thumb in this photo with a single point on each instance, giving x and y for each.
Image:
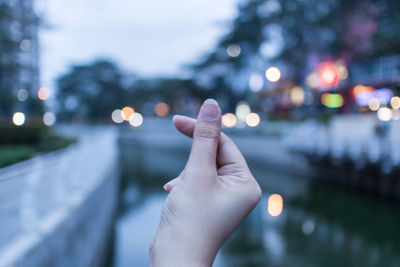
(205, 138)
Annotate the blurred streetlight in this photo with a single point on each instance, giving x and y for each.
(49, 119)
(161, 109)
(126, 112)
(116, 116)
(297, 95)
(395, 102)
(22, 95)
(252, 120)
(273, 74)
(242, 110)
(44, 93)
(229, 120)
(233, 50)
(18, 118)
(136, 119)
(275, 205)
(256, 82)
(374, 104)
(384, 114)
(328, 74)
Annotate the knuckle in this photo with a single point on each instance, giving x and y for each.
(254, 193)
(207, 132)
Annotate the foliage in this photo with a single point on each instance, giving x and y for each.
(13, 154)
(23, 142)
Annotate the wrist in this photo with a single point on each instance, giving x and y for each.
(171, 250)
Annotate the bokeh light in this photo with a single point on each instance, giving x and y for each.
(161, 109)
(374, 104)
(126, 112)
(332, 100)
(229, 120)
(242, 110)
(384, 114)
(233, 50)
(395, 102)
(328, 74)
(116, 116)
(22, 95)
(273, 74)
(343, 72)
(136, 119)
(297, 95)
(252, 119)
(313, 80)
(256, 82)
(395, 114)
(25, 45)
(275, 205)
(44, 93)
(49, 118)
(18, 118)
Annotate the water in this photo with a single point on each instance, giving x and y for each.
(320, 225)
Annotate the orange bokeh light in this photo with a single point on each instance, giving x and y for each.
(126, 112)
(275, 205)
(161, 109)
(44, 93)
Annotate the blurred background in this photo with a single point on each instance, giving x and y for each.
(309, 90)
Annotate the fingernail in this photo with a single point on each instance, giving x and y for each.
(210, 110)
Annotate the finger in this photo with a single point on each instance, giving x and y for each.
(171, 184)
(206, 136)
(228, 153)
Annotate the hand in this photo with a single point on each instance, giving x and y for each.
(208, 200)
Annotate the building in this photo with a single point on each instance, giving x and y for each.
(19, 60)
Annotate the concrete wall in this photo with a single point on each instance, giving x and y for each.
(68, 220)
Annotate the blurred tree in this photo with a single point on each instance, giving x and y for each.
(299, 34)
(91, 91)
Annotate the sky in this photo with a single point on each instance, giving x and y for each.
(149, 38)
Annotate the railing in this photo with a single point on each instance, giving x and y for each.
(38, 194)
(359, 144)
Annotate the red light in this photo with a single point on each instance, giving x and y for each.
(328, 74)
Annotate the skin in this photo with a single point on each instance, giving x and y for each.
(208, 200)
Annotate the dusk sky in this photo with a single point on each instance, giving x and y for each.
(145, 37)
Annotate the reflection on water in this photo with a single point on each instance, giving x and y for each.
(297, 223)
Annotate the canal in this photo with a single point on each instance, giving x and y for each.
(319, 225)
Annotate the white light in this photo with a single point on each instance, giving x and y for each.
(313, 80)
(136, 119)
(273, 74)
(19, 118)
(256, 82)
(22, 95)
(384, 114)
(242, 110)
(297, 95)
(233, 50)
(395, 114)
(229, 120)
(25, 45)
(253, 119)
(116, 116)
(49, 118)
